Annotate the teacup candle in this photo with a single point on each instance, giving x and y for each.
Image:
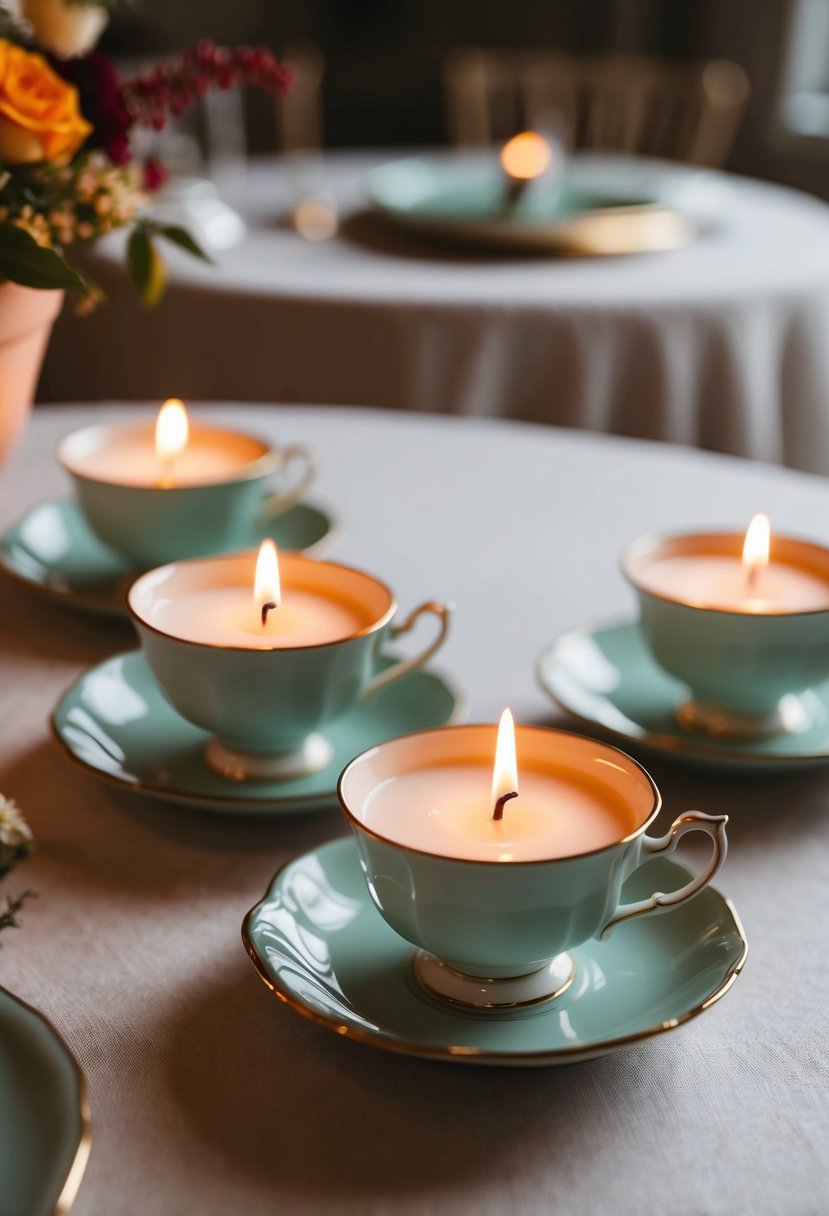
(262, 651)
(524, 159)
(742, 621)
(497, 872)
(157, 491)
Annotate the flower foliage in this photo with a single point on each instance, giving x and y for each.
(67, 176)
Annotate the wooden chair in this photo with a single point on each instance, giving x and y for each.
(673, 109)
(299, 111)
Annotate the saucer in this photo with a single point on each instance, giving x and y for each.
(116, 722)
(43, 1112)
(318, 942)
(604, 675)
(594, 206)
(53, 549)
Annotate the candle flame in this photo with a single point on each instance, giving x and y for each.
(266, 586)
(756, 548)
(526, 156)
(171, 430)
(505, 770)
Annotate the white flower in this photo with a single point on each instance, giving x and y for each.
(68, 29)
(14, 830)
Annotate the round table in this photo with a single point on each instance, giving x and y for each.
(209, 1095)
(720, 345)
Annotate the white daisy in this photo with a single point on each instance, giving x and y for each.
(14, 830)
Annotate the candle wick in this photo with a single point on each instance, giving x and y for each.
(166, 479)
(752, 575)
(516, 188)
(498, 813)
(266, 607)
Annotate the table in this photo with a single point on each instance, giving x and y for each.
(720, 345)
(210, 1096)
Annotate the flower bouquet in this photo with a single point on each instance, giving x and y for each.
(67, 176)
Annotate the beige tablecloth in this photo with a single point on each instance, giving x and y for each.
(721, 345)
(208, 1095)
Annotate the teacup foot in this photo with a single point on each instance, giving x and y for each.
(510, 992)
(790, 717)
(315, 754)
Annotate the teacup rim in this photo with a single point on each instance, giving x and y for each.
(261, 466)
(650, 541)
(374, 627)
(358, 825)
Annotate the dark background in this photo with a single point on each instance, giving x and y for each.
(383, 57)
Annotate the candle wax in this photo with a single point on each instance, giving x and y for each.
(126, 455)
(717, 581)
(228, 616)
(447, 809)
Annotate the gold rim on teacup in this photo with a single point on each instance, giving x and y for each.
(286, 560)
(647, 548)
(488, 726)
(266, 457)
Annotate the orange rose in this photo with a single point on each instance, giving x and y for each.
(40, 118)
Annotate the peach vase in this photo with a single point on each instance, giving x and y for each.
(26, 319)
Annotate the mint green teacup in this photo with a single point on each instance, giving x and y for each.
(494, 930)
(266, 700)
(205, 501)
(743, 664)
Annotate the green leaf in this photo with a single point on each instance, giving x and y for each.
(8, 919)
(25, 262)
(182, 238)
(146, 266)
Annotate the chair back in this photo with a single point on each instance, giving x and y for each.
(623, 103)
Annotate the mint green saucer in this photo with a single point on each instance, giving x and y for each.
(603, 674)
(319, 943)
(45, 1138)
(587, 208)
(115, 721)
(53, 550)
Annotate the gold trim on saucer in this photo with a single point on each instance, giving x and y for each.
(76, 1171)
(230, 804)
(475, 1055)
(612, 231)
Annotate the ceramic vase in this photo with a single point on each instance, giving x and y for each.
(26, 319)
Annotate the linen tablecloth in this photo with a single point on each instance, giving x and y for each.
(208, 1095)
(721, 345)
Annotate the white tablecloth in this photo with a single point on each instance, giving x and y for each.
(209, 1096)
(722, 345)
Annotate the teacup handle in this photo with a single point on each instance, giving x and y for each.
(278, 502)
(692, 821)
(404, 666)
